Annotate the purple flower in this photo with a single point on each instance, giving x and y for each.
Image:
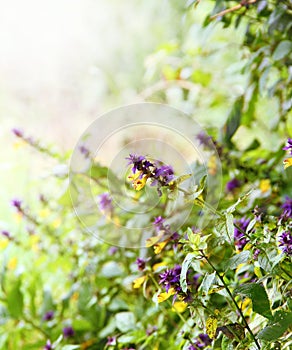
(48, 316)
(286, 242)
(17, 132)
(6, 234)
(16, 203)
(239, 238)
(105, 202)
(201, 342)
(151, 329)
(137, 162)
(158, 222)
(288, 146)
(112, 250)
(232, 185)
(48, 345)
(141, 263)
(111, 341)
(68, 332)
(256, 253)
(170, 278)
(164, 174)
(84, 150)
(203, 138)
(287, 208)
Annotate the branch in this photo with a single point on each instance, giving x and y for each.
(243, 3)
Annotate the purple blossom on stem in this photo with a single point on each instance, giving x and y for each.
(48, 345)
(203, 138)
(239, 238)
(68, 332)
(287, 208)
(84, 150)
(105, 202)
(141, 263)
(201, 342)
(285, 242)
(48, 316)
(288, 146)
(6, 234)
(164, 174)
(17, 132)
(170, 278)
(159, 223)
(112, 250)
(137, 162)
(16, 203)
(232, 185)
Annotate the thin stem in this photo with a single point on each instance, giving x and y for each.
(233, 300)
(234, 8)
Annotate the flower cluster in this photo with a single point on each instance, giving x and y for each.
(201, 342)
(240, 239)
(286, 242)
(142, 169)
(288, 146)
(287, 208)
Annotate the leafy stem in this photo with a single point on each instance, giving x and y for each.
(233, 299)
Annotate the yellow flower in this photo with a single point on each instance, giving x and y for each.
(265, 185)
(12, 263)
(165, 295)
(137, 181)
(137, 283)
(4, 244)
(151, 241)
(179, 306)
(287, 162)
(211, 326)
(156, 266)
(159, 246)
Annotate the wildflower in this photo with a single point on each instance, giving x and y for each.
(68, 332)
(201, 342)
(48, 345)
(170, 278)
(288, 146)
(239, 238)
(151, 329)
(158, 222)
(287, 208)
(137, 162)
(141, 263)
(6, 234)
(111, 341)
(16, 203)
(105, 202)
(203, 138)
(84, 150)
(256, 253)
(287, 163)
(48, 316)
(286, 242)
(164, 174)
(17, 132)
(232, 185)
(112, 250)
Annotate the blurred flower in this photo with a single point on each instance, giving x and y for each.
(68, 332)
(287, 163)
(17, 132)
(256, 253)
(288, 146)
(158, 222)
(232, 185)
(239, 238)
(84, 150)
(6, 234)
(286, 242)
(16, 203)
(141, 263)
(203, 138)
(48, 316)
(151, 329)
(48, 345)
(258, 213)
(164, 174)
(111, 341)
(105, 202)
(112, 250)
(201, 342)
(287, 208)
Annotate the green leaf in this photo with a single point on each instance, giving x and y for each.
(230, 226)
(125, 321)
(233, 121)
(237, 259)
(184, 269)
(15, 300)
(282, 50)
(258, 296)
(199, 189)
(277, 326)
(207, 282)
